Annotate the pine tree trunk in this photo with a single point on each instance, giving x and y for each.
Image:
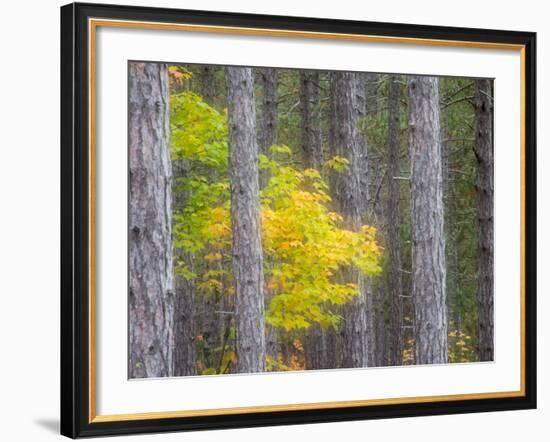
(351, 199)
(428, 235)
(315, 348)
(208, 85)
(367, 171)
(361, 94)
(315, 345)
(268, 122)
(451, 243)
(245, 218)
(371, 93)
(311, 119)
(267, 136)
(151, 282)
(184, 325)
(382, 331)
(394, 225)
(484, 187)
(184, 303)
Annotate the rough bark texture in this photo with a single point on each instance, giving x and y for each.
(484, 156)
(315, 345)
(454, 307)
(245, 219)
(151, 297)
(351, 199)
(311, 119)
(382, 331)
(371, 93)
(272, 345)
(184, 325)
(208, 84)
(428, 235)
(184, 303)
(268, 122)
(364, 167)
(267, 137)
(361, 92)
(395, 285)
(377, 297)
(367, 171)
(315, 348)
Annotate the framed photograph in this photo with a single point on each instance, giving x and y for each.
(275, 220)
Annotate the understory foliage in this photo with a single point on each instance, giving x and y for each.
(304, 243)
(308, 251)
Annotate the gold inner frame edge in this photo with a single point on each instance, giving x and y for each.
(93, 24)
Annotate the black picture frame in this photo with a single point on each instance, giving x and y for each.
(75, 221)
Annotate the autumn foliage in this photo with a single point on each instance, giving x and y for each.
(305, 245)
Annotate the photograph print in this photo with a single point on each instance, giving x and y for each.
(288, 219)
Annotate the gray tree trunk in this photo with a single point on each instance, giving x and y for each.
(351, 200)
(315, 343)
(371, 93)
(272, 346)
(484, 187)
(208, 83)
(315, 348)
(311, 119)
(269, 117)
(361, 94)
(451, 243)
(382, 330)
(184, 325)
(245, 219)
(151, 282)
(267, 137)
(370, 176)
(184, 304)
(428, 235)
(394, 225)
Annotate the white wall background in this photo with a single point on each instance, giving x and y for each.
(29, 220)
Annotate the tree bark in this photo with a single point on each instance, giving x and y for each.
(151, 282)
(245, 218)
(351, 199)
(184, 325)
(315, 342)
(454, 306)
(361, 92)
(484, 200)
(382, 331)
(315, 348)
(394, 225)
(311, 119)
(267, 137)
(268, 122)
(371, 93)
(184, 358)
(208, 83)
(428, 235)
